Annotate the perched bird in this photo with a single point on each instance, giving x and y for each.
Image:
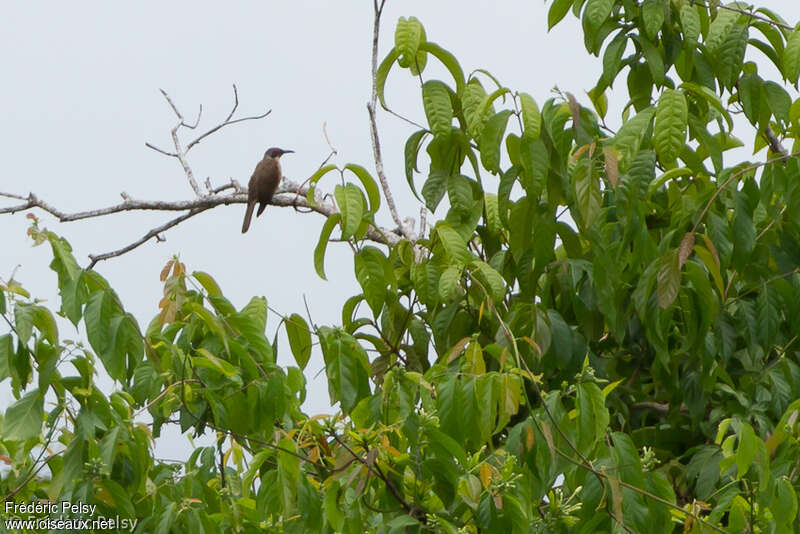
(263, 183)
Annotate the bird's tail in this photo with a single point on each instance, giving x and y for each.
(247, 216)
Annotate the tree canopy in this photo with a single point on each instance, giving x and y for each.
(598, 332)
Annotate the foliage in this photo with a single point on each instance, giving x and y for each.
(631, 368)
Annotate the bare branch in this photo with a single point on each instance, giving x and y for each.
(289, 194)
(147, 237)
(228, 120)
(376, 145)
(180, 153)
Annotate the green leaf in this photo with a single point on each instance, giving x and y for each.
(449, 283)
(490, 140)
(557, 11)
(209, 361)
(612, 57)
(472, 98)
(593, 415)
(630, 137)
(597, 11)
(434, 189)
(690, 22)
(731, 55)
(719, 28)
(710, 97)
(370, 186)
(587, 192)
(767, 311)
(299, 335)
(492, 280)
(750, 96)
(383, 73)
(314, 179)
(6, 353)
(784, 501)
(23, 420)
(531, 117)
(350, 201)
(791, 57)
(44, 321)
(671, 124)
(23, 321)
(448, 60)
(408, 35)
(373, 272)
(746, 450)
(652, 17)
(438, 107)
(322, 244)
(347, 367)
(669, 279)
(411, 152)
(453, 243)
(779, 101)
(2, 302)
(208, 282)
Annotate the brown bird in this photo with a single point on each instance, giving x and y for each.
(263, 183)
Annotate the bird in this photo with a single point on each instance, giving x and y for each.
(263, 183)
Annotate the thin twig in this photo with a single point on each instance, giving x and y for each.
(376, 145)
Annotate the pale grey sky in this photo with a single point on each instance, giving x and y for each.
(80, 98)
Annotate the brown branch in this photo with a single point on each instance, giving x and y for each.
(289, 194)
(154, 233)
(180, 153)
(228, 121)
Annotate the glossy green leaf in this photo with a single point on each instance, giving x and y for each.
(350, 201)
(791, 57)
(690, 22)
(531, 117)
(652, 17)
(449, 283)
(629, 138)
(408, 35)
(557, 11)
(383, 73)
(438, 109)
(448, 60)
(490, 140)
(299, 335)
(597, 11)
(322, 244)
(669, 279)
(670, 125)
(23, 419)
(370, 186)
(453, 243)
(411, 154)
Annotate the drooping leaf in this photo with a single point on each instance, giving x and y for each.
(671, 124)
(438, 108)
(669, 279)
(322, 244)
(299, 335)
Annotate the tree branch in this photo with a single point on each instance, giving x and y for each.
(180, 153)
(404, 226)
(289, 194)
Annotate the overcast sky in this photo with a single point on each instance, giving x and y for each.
(80, 98)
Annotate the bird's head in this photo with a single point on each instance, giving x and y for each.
(277, 152)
